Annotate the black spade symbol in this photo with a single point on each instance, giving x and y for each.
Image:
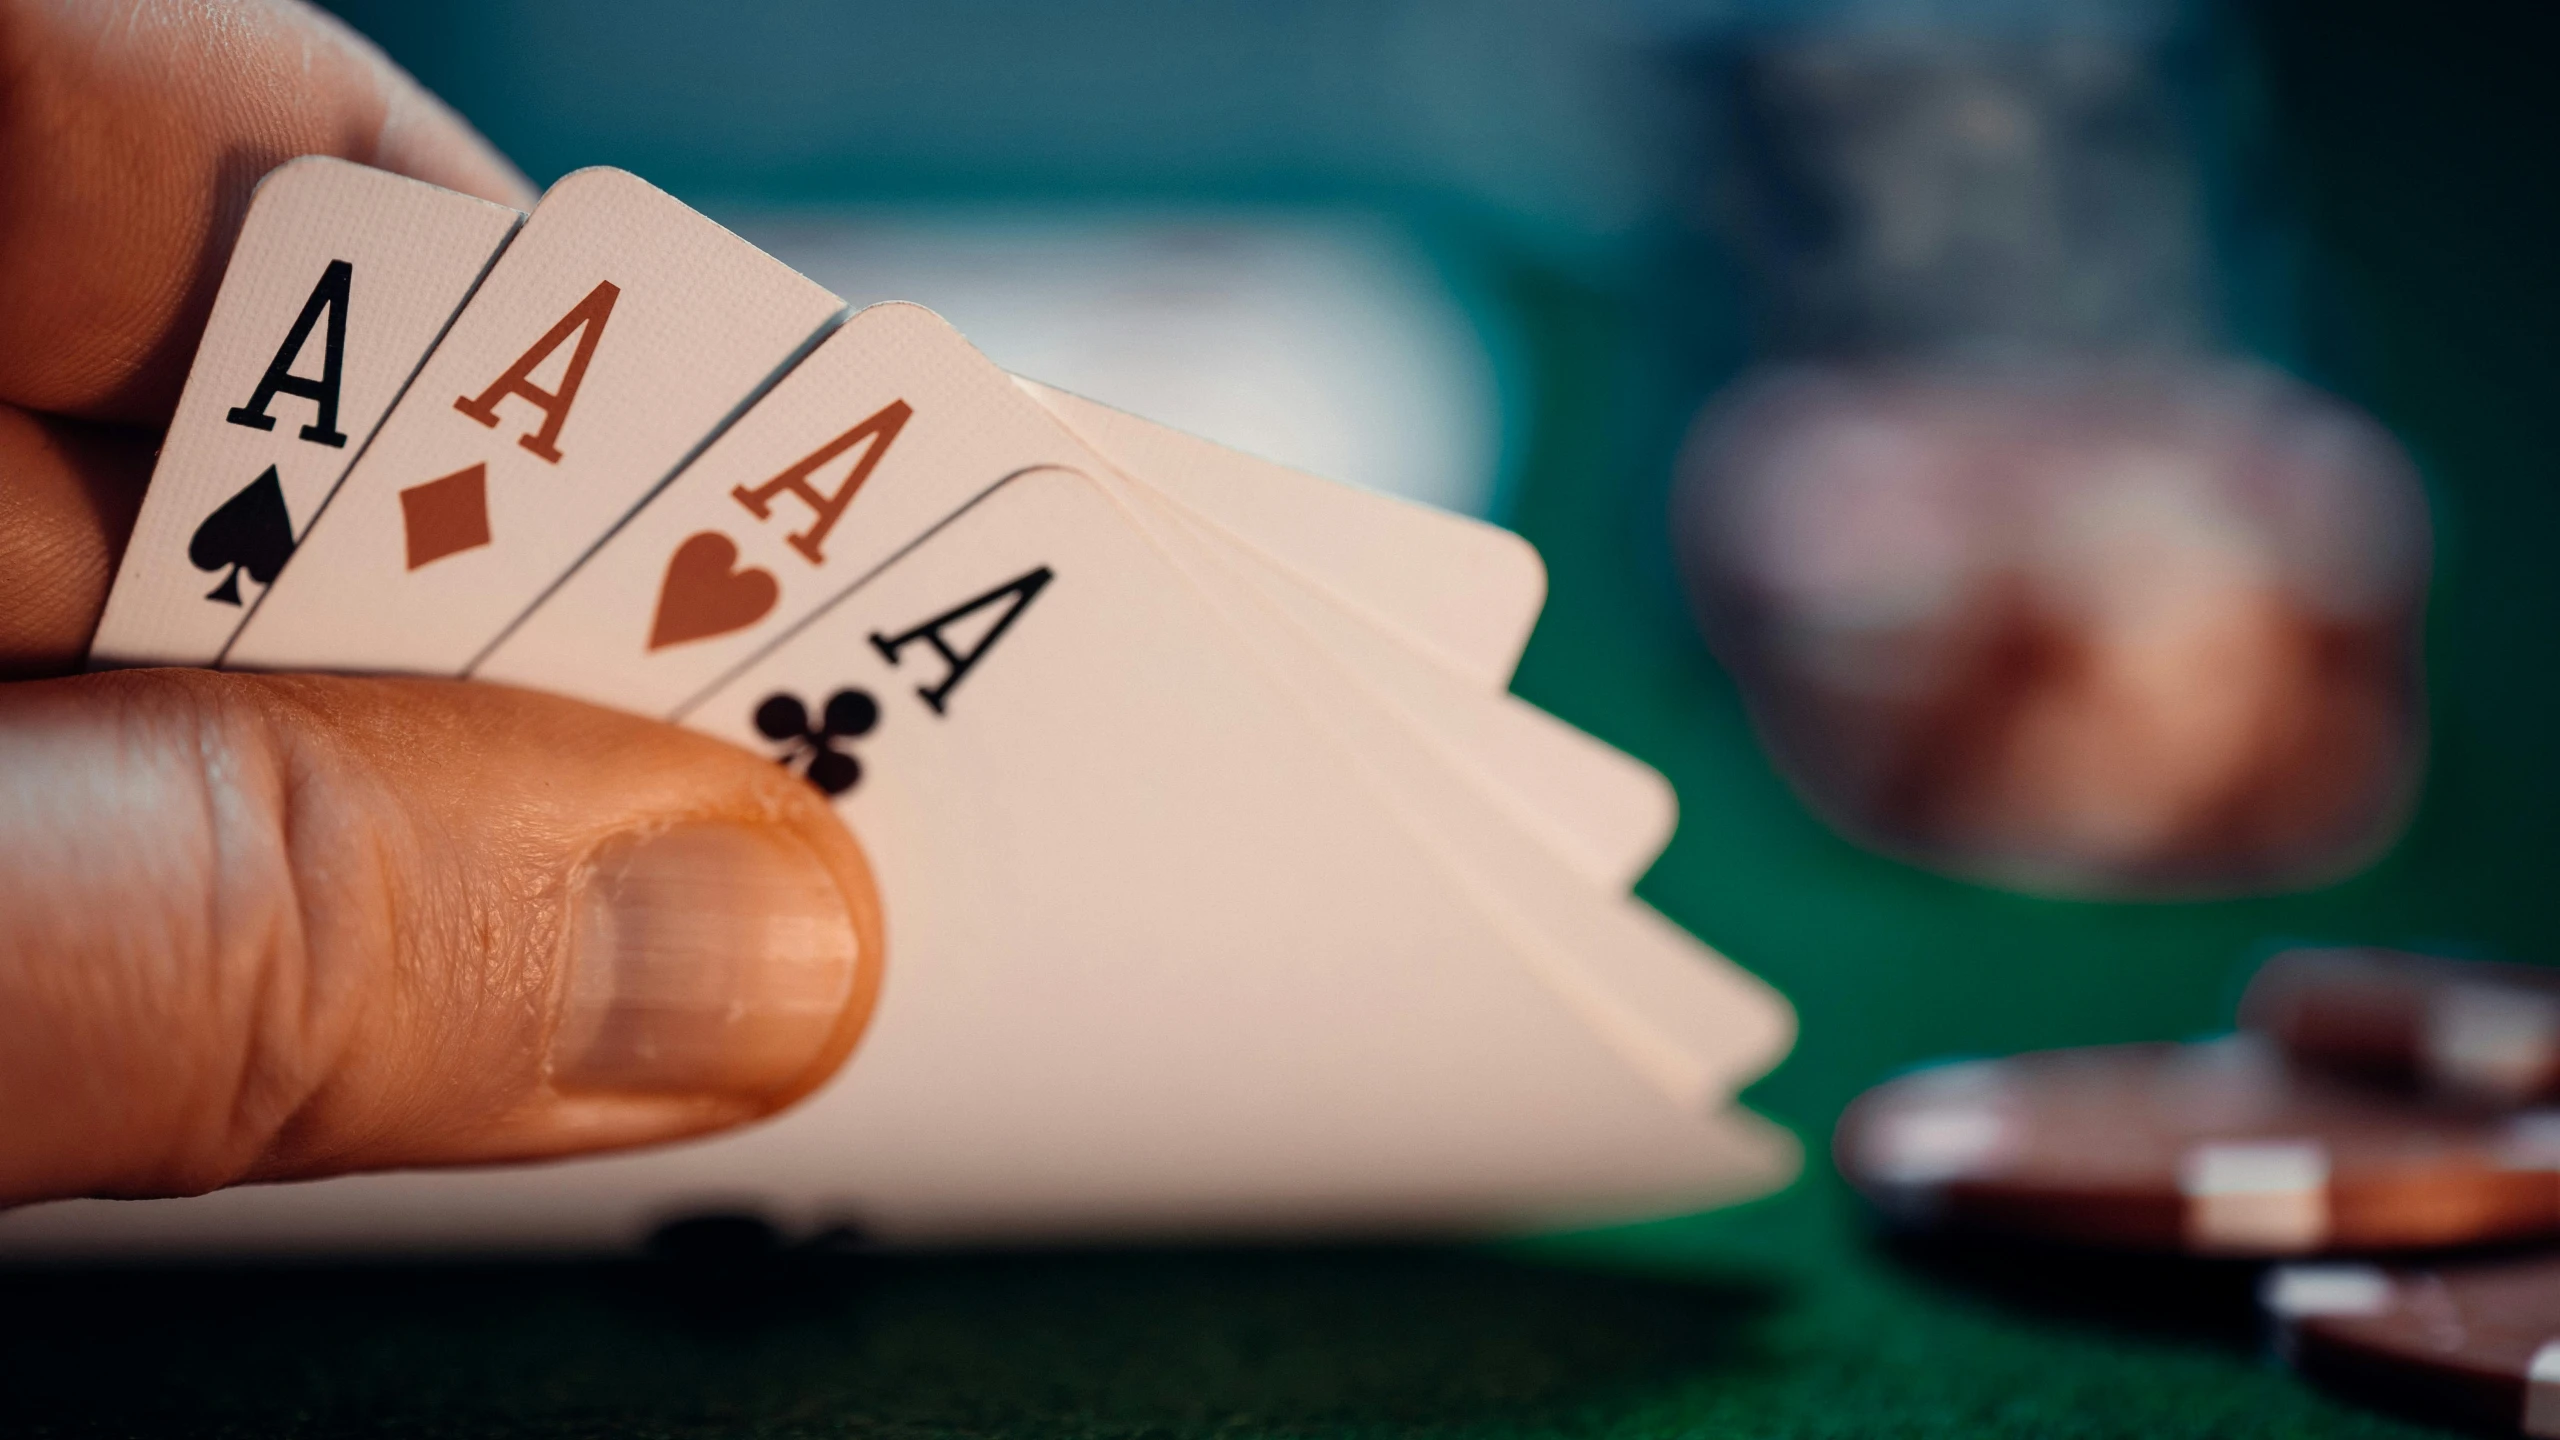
(251, 531)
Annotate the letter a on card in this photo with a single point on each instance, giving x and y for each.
(619, 333)
(978, 623)
(880, 430)
(586, 322)
(328, 302)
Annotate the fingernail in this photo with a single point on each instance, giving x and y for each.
(711, 959)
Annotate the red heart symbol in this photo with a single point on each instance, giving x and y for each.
(703, 595)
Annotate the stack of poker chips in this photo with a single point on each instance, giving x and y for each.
(2376, 1114)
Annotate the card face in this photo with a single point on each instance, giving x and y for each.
(1455, 588)
(617, 333)
(341, 281)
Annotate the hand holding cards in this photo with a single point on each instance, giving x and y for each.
(1226, 889)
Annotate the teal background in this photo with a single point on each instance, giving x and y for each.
(2413, 149)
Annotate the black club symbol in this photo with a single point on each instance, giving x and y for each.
(849, 713)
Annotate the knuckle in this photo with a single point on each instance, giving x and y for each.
(270, 991)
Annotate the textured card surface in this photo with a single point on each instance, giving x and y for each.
(1397, 579)
(1465, 592)
(616, 334)
(1604, 812)
(1686, 1017)
(342, 279)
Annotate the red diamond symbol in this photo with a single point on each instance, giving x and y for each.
(446, 516)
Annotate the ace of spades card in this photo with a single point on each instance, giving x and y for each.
(343, 276)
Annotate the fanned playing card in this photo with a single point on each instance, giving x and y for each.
(1225, 889)
(1458, 589)
(342, 278)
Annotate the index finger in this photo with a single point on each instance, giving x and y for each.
(130, 137)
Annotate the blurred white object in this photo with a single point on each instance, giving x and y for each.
(1334, 346)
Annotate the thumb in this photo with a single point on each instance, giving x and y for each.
(271, 927)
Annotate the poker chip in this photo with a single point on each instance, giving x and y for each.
(2490, 1032)
(2217, 1148)
(2475, 1344)
(1873, 547)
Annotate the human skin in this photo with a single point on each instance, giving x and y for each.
(273, 927)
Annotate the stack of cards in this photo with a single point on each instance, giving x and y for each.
(1226, 887)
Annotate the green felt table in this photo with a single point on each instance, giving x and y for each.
(2420, 150)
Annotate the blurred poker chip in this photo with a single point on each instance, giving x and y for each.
(2077, 627)
(2474, 1343)
(2216, 1148)
(2455, 1027)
